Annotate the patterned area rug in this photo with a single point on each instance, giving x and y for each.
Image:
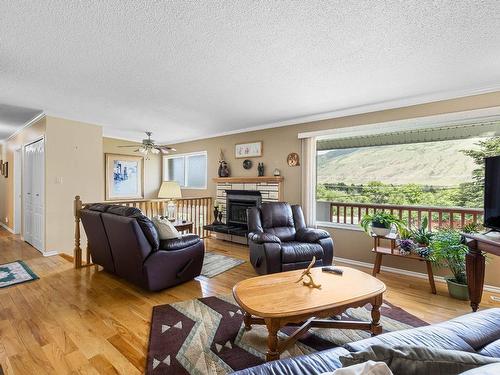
(214, 264)
(207, 336)
(15, 273)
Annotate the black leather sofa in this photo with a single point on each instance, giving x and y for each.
(280, 241)
(477, 332)
(126, 243)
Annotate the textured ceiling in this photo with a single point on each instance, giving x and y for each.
(13, 118)
(186, 69)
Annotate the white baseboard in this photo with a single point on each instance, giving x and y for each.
(489, 288)
(50, 253)
(7, 228)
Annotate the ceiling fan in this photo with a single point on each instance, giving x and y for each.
(150, 147)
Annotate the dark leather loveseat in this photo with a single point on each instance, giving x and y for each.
(280, 241)
(125, 242)
(474, 333)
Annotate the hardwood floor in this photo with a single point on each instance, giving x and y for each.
(89, 322)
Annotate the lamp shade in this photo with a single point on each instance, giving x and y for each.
(170, 190)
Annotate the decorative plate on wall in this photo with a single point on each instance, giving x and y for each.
(293, 159)
(247, 164)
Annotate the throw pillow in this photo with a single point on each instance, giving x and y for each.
(493, 369)
(403, 359)
(365, 368)
(166, 229)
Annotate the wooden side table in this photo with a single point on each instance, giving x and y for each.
(392, 250)
(183, 226)
(474, 261)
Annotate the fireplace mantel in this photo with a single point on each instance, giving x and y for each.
(250, 180)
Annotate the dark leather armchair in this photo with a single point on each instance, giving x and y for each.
(280, 241)
(125, 242)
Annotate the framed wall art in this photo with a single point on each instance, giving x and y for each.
(124, 177)
(248, 150)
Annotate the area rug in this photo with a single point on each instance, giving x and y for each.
(15, 273)
(207, 336)
(215, 264)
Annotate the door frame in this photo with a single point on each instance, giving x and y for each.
(18, 191)
(34, 140)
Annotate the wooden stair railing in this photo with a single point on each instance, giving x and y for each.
(197, 210)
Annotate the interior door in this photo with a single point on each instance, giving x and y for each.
(34, 195)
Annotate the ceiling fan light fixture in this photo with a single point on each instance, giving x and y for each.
(155, 151)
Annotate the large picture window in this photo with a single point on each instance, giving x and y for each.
(189, 170)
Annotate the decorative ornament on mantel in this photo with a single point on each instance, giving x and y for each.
(223, 167)
(276, 172)
(260, 169)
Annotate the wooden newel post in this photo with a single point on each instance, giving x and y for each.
(77, 252)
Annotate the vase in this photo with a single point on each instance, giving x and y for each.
(456, 290)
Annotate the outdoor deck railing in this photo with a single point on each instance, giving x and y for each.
(438, 217)
(196, 210)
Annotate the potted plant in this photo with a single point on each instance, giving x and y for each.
(380, 223)
(448, 251)
(421, 235)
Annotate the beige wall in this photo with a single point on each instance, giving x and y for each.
(73, 153)
(279, 142)
(152, 167)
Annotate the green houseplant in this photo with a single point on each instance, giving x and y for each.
(448, 251)
(380, 223)
(422, 235)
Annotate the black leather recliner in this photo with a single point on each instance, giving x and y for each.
(280, 241)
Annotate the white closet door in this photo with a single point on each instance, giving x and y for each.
(34, 217)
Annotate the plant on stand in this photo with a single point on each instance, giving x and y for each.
(381, 223)
(448, 251)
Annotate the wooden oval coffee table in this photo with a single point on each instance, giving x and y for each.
(277, 300)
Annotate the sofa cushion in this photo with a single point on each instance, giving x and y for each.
(316, 363)
(123, 210)
(434, 336)
(419, 359)
(149, 230)
(491, 350)
(179, 243)
(311, 235)
(478, 329)
(292, 252)
(100, 207)
(491, 369)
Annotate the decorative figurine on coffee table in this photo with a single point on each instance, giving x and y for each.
(307, 273)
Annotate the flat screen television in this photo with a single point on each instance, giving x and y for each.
(492, 193)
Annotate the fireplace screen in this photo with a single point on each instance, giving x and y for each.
(237, 203)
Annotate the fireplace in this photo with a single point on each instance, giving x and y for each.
(237, 202)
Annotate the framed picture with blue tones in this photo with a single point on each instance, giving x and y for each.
(124, 177)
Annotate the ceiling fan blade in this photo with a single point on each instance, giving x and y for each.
(128, 146)
(163, 151)
(166, 147)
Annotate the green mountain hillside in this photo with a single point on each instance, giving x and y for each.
(433, 163)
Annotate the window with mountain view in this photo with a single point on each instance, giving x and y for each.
(426, 173)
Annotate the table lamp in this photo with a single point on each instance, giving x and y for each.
(170, 190)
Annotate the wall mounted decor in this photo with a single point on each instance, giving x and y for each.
(124, 177)
(1, 167)
(247, 164)
(6, 169)
(248, 150)
(293, 159)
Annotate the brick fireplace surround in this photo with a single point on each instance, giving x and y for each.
(271, 189)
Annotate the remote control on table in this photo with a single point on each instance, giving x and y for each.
(332, 269)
